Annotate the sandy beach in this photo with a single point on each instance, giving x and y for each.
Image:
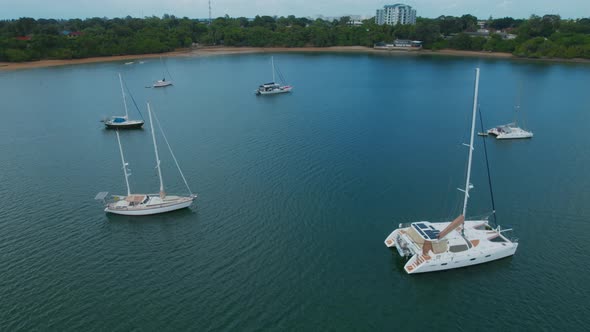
(216, 50)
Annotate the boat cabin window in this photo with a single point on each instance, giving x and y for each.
(458, 248)
(482, 227)
(498, 239)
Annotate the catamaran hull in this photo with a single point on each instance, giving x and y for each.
(274, 92)
(434, 264)
(150, 211)
(514, 136)
(124, 125)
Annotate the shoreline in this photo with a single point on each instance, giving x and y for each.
(222, 50)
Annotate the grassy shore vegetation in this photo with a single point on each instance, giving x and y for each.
(27, 39)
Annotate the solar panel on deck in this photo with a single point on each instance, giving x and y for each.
(421, 226)
(421, 232)
(431, 234)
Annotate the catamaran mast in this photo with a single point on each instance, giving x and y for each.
(467, 184)
(162, 193)
(272, 61)
(124, 99)
(124, 165)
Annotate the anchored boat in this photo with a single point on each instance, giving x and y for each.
(437, 246)
(272, 88)
(123, 121)
(146, 204)
(163, 83)
(509, 131)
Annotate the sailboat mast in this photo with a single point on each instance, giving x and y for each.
(467, 184)
(124, 165)
(272, 61)
(162, 193)
(124, 99)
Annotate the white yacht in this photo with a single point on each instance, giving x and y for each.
(509, 131)
(146, 204)
(437, 246)
(123, 121)
(272, 88)
(162, 83)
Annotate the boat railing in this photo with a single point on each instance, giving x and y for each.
(150, 207)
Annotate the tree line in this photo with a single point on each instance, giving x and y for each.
(27, 39)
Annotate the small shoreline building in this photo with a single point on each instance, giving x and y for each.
(395, 14)
(400, 45)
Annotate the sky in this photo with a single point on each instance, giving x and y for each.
(12, 9)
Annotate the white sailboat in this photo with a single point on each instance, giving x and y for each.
(147, 204)
(162, 83)
(120, 121)
(272, 88)
(437, 246)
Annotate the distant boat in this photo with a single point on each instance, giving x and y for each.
(510, 130)
(123, 122)
(162, 83)
(129, 63)
(437, 246)
(146, 204)
(272, 88)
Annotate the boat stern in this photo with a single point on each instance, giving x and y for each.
(398, 240)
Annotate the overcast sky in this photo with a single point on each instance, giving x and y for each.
(249, 8)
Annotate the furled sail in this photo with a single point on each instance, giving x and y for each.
(456, 223)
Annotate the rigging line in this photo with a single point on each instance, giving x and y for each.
(280, 75)
(446, 205)
(133, 99)
(485, 150)
(172, 153)
(167, 71)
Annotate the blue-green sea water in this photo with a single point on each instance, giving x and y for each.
(297, 193)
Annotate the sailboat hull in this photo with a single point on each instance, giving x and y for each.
(284, 89)
(124, 125)
(161, 84)
(182, 203)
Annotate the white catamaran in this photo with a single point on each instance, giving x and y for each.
(436, 246)
(123, 122)
(510, 130)
(146, 204)
(272, 88)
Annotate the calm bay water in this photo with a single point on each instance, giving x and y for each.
(296, 195)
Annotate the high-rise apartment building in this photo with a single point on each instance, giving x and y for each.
(396, 14)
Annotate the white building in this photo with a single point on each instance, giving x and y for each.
(396, 14)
